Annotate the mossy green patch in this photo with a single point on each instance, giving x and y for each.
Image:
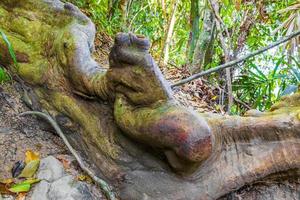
(87, 120)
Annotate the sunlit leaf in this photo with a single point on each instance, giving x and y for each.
(20, 187)
(85, 178)
(30, 169)
(3, 75)
(10, 48)
(32, 181)
(30, 156)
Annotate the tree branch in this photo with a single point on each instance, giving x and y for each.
(234, 62)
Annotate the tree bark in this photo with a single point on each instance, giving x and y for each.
(203, 52)
(195, 29)
(123, 8)
(136, 136)
(171, 26)
(226, 49)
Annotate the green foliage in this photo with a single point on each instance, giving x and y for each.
(98, 11)
(3, 76)
(263, 79)
(143, 17)
(262, 88)
(10, 48)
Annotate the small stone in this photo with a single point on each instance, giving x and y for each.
(7, 197)
(29, 132)
(4, 130)
(68, 188)
(50, 169)
(41, 191)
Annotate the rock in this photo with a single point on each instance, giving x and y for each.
(68, 188)
(56, 185)
(7, 197)
(50, 169)
(41, 191)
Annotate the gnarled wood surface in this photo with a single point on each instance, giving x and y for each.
(133, 132)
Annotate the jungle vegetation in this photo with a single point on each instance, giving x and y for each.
(200, 34)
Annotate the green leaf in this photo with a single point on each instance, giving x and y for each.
(277, 66)
(30, 169)
(32, 181)
(3, 75)
(297, 63)
(259, 71)
(20, 187)
(10, 48)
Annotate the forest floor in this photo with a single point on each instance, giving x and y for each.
(21, 134)
(198, 95)
(18, 134)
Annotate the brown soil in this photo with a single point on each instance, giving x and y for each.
(18, 134)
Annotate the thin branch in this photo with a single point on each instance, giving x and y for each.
(237, 61)
(103, 185)
(215, 8)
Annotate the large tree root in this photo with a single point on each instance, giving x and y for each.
(133, 132)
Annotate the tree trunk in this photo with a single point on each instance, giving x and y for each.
(123, 8)
(163, 7)
(131, 129)
(171, 26)
(195, 29)
(226, 49)
(203, 52)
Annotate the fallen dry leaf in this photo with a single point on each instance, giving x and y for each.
(66, 162)
(21, 196)
(7, 181)
(30, 156)
(84, 178)
(4, 189)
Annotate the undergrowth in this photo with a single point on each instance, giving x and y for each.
(4, 76)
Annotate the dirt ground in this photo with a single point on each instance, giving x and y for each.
(18, 134)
